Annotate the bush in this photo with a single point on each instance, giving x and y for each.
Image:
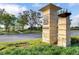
(36, 47)
(74, 39)
(42, 50)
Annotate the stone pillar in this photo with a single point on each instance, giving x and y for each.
(49, 30)
(64, 39)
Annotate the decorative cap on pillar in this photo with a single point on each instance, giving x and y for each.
(63, 13)
(51, 6)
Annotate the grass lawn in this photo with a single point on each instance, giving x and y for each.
(36, 47)
(21, 32)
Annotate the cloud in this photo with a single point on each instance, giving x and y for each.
(13, 8)
(73, 4)
(39, 5)
(75, 20)
(58, 4)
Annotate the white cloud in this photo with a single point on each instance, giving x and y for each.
(73, 4)
(57, 4)
(36, 4)
(39, 5)
(13, 8)
(75, 20)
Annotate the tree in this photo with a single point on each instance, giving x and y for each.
(13, 22)
(23, 19)
(5, 19)
(34, 19)
(1, 12)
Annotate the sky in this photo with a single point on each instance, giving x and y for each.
(15, 8)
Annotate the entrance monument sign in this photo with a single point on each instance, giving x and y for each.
(52, 25)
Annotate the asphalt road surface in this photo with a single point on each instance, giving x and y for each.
(12, 38)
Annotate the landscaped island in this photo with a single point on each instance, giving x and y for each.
(37, 47)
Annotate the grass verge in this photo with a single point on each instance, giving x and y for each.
(36, 47)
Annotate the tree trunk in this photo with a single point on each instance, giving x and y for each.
(31, 27)
(6, 28)
(22, 27)
(13, 29)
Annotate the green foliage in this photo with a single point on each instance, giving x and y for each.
(9, 33)
(23, 19)
(13, 23)
(35, 47)
(34, 19)
(26, 31)
(75, 40)
(7, 20)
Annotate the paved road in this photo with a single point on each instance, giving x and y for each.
(12, 38)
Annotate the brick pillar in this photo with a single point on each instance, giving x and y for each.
(49, 30)
(64, 39)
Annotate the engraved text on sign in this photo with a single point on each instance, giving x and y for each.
(45, 21)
